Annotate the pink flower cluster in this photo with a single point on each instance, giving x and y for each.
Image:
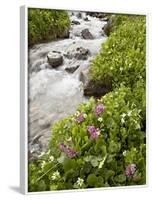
(100, 109)
(130, 170)
(71, 153)
(80, 118)
(94, 132)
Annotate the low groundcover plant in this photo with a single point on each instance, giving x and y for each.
(105, 149)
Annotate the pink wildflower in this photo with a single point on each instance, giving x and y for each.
(99, 109)
(80, 118)
(130, 170)
(62, 146)
(94, 132)
(71, 153)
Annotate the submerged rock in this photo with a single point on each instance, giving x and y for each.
(79, 53)
(71, 69)
(86, 34)
(75, 22)
(55, 59)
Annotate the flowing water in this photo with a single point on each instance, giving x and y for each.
(55, 93)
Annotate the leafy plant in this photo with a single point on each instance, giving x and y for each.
(100, 161)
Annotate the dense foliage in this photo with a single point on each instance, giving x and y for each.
(44, 25)
(95, 146)
(103, 143)
(122, 58)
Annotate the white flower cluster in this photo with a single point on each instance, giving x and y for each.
(100, 119)
(55, 175)
(80, 182)
(51, 158)
(124, 115)
(43, 164)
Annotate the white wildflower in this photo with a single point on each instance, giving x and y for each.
(130, 65)
(43, 164)
(121, 69)
(51, 158)
(80, 182)
(85, 115)
(98, 132)
(72, 118)
(129, 113)
(100, 119)
(69, 139)
(123, 115)
(122, 120)
(124, 153)
(77, 113)
(55, 175)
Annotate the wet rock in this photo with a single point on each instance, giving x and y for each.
(79, 53)
(79, 15)
(108, 27)
(71, 69)
(90, 87)
(84, 76)
(86, 19)
(105, 19)
(97, 15)
(55, 59)
(86, 34)
(75, 22)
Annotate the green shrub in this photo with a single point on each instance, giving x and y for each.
(44, 25)
(82, 161)
(122, 58)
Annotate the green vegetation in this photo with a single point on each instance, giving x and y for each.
(122, 58)
(103, 143)
(100, 161)
(44, 25)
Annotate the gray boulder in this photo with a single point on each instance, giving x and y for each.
(86, 34)
(90, 87)
(79, 53)
(55, 59)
